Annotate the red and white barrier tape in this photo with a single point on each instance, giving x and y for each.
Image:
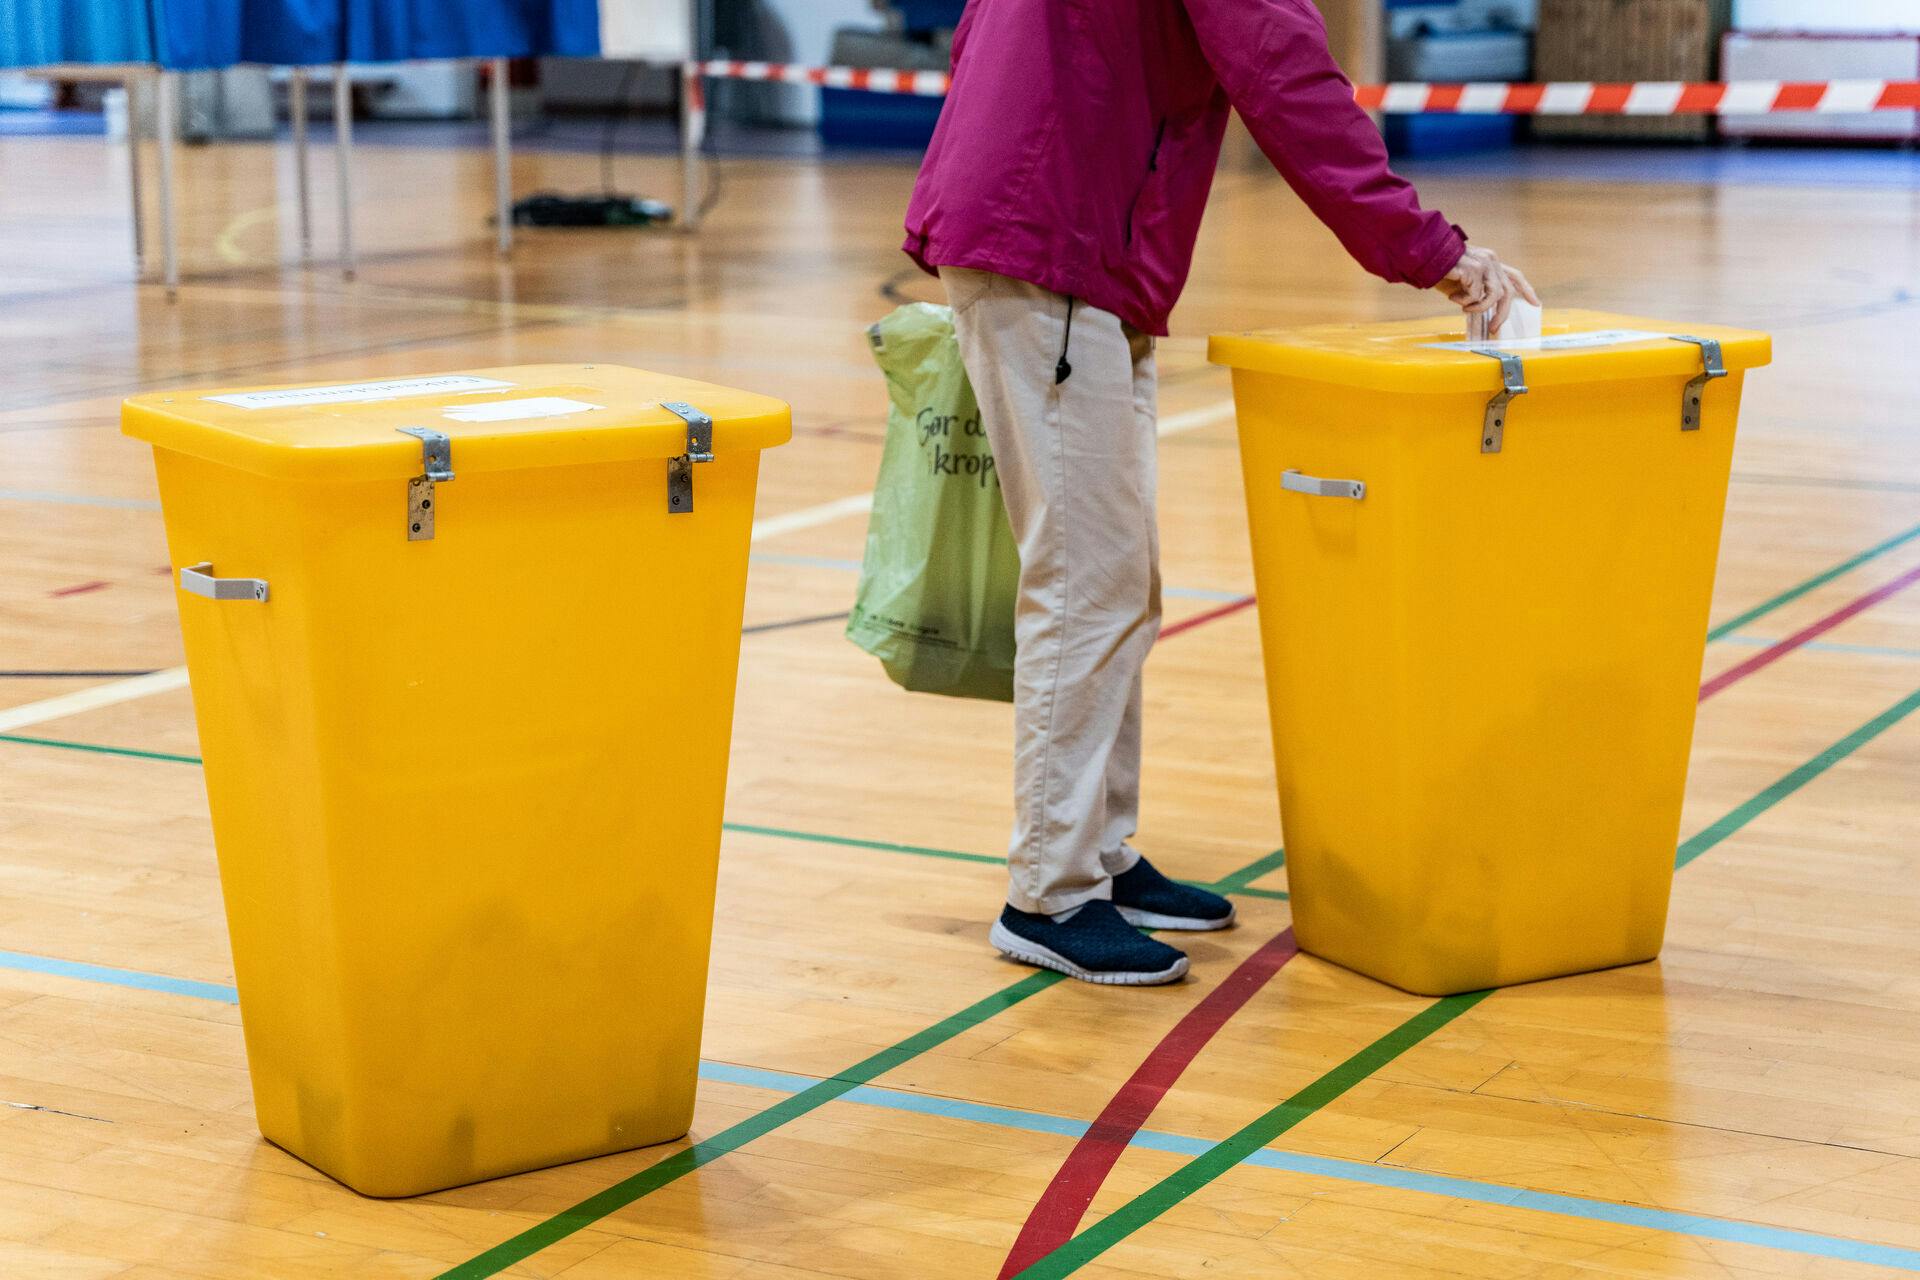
(925, 84)
(1647, 98)
(1563, 98)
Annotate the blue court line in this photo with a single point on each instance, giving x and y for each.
(1689, 1224)
(77, 499)
(1825, 646)
(805, 562)
(118, 977)
(853, 566)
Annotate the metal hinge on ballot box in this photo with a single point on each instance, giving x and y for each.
(436, 455)
(699, 449)
(1712, 366)
(1513, 383)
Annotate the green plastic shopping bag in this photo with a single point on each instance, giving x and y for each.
(941, 574)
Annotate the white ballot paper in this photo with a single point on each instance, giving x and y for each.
(1523, 321)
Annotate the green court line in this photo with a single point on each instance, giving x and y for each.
(1235, 884)
(1202, 1169)
(1712, 835)
(1817, 581)
(883, 846)
(1227, 1153)
(1232, 883)
(743, 828)
(97, 749)
(732, 1138)
(678, 1165)
(1239, 880)
(1170, 1191)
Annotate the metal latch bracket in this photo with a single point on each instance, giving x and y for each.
(1712, 366)
(436, 458)
(1513, 382)
(699, 449)
(199, 579)
(1316, 487)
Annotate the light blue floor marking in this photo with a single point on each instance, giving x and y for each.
(1202, 593)
(77, 499)
(1688, 1224)
(853, 566)
(118, 977)
(805, 562)
(1824, 646)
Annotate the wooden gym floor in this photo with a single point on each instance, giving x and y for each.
(883, 1097)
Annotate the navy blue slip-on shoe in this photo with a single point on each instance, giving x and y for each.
(1148, 900)
(1093, 944)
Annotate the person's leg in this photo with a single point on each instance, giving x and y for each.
(1141, 894)
(1078, 485)
(1123, 765)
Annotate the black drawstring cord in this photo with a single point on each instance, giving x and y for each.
(1063, 370)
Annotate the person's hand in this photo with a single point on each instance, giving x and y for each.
(1480, 282)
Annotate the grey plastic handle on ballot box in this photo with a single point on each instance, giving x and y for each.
(200, 581)
(1297, 482)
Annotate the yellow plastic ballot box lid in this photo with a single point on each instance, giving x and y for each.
(540, 415)
(1434, 356)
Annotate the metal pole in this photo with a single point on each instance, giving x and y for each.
(164, 127)
(502, 157)
(133, 173)
(343, 161)
(693, 128)
(297, 109)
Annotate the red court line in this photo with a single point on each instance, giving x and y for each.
(1773, 653)
(1201, 619)
(1059, 1210)
(80, 589)
(1057, 1214)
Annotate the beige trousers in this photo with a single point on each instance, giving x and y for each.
(1077, 466)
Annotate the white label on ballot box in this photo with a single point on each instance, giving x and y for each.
(1556, 342)
(516, 410)
(342, 393)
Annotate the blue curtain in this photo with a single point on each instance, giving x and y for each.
(192, 35)
(201, 34)
(219, 33)
(34, 33)
(396, 30)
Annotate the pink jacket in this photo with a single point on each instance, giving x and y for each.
(1080, 137)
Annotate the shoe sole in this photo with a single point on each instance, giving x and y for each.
(1187, 924)
(1018, 948)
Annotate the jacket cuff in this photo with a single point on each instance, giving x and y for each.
(1444, 257)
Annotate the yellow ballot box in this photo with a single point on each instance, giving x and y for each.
(1484, 573)
(463, 653)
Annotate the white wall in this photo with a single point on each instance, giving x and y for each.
(1827, 15)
